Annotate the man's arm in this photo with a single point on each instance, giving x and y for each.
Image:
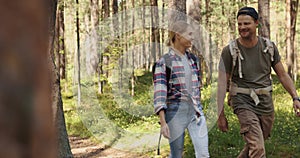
(288, 84)
(221, 93)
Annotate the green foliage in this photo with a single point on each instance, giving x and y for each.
(74, 124)
(283, 142)
(118, 115)
(143, 88)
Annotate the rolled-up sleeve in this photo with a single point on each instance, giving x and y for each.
(160, 86)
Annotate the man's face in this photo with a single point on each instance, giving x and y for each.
(247, 26)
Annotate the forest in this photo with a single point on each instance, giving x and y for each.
(97, 56)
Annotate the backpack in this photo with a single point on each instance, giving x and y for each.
(236, 55)
(168, 61)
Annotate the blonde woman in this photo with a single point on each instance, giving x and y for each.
(177, 94)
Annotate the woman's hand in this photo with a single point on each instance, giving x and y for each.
(164, 130)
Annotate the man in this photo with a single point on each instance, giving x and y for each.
(250, 84)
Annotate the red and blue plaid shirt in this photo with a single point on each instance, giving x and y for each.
(177, 88)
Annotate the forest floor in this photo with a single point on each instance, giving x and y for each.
(86, 148)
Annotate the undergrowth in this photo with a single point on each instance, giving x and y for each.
(284, 141)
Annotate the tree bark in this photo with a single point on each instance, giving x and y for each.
(232, 21)
(64, 149)
(264, 18)
(291, 16)
(132, 54)
(155, 34)
(26, 120)
(194, 11)
(288, 38)
(60, 55)
(294, 11)
(104, 55)
(78, 54)
(180, 7)
(145, 57)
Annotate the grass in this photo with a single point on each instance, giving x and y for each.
(284, 141)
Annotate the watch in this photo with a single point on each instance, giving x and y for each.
(296, 98)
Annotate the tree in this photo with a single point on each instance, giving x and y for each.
(104, 57)
(291, 16)
(132, 55)
(179, 6)
(232, 20)
(155, 35)
(60, 54)
(194, 11)
(64, 149)
(264, 19)
(26, 120)
(294, 11)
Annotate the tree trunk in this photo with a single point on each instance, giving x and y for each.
(294, 11)
(155, 37)
(194, 11)
(207, 43)
(145, 58)
(208, 14)
(264, 18)
(64, 149)
(232, 21)
(56, 40)
(26, 119)
(93, 54)
(291, 14)
(162, 30)
(179, 6)
(132, 54)
(104, 55)
(288, 38)
(78, 54)
(61, 41)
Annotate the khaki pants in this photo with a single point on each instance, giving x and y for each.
(255, 129)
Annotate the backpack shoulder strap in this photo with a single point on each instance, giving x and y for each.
(233, 48)
(236, 55)
(168, 62)
(269, 47)
(195, 60)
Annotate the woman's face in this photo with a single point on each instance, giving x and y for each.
(186, 38)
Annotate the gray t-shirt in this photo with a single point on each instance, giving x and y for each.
(188, 73)
(256, 70)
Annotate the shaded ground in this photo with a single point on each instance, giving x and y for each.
(85, 148)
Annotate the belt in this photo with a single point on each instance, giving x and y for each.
(253, 92)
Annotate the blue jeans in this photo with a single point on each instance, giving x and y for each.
(181, 116)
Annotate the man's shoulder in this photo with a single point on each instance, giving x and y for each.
(226, 48)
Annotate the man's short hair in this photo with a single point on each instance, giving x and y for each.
(248, 11)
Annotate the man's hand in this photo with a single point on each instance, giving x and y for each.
(222, 123)
(297, 107)
(164, 130)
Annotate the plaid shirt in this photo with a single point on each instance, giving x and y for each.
(177, 87)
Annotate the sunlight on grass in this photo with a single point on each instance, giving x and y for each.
(284, 141)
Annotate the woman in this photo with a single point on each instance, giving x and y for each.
(177, 97)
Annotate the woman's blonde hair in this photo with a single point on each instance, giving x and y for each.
(178, 27)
